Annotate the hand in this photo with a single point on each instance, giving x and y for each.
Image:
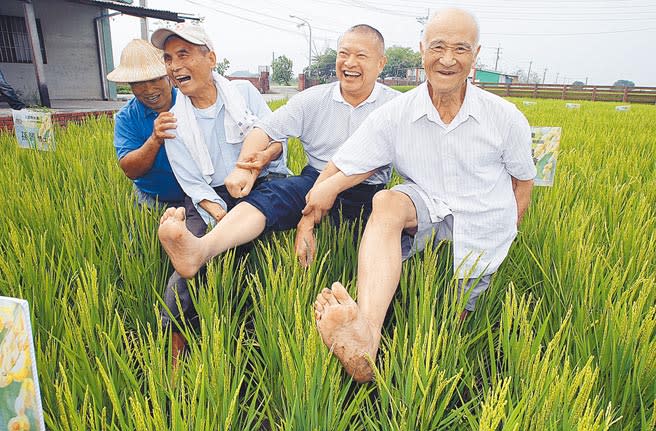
(240, 182)
(255, 161)
(305, 245)
(214, 209)
(319, 200)
(164, 122)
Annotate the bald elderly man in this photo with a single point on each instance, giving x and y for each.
(465, 158)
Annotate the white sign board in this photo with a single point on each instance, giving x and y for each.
(34, 129)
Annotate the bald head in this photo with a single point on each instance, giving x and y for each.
(451, 18)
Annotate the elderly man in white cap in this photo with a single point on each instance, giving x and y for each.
(213, 116)
(141, 127)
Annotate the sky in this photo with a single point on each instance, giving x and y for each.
(563, 41)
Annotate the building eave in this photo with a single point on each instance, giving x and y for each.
(138, 11)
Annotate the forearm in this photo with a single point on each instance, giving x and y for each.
(522, 191)
(273, 151)
(338, 182)
(214, 209)
(138, 162)
(257, 140)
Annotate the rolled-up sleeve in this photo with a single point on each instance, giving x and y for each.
(286, 121)
(516, 154)
(369, 148)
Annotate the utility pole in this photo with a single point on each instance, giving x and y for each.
(557, 73)
(544, 75)
(305, 22)
(423, 20)
(528, 75)
(496, 62)
(144, 21)
(586, 80)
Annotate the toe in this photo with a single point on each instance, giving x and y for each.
(179, 213)
(167, 214)
(329, 297)
(341, 294)
(321, 300)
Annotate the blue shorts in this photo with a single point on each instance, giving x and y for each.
(281, 201)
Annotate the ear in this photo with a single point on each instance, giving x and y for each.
(212, 57)
(381, 63)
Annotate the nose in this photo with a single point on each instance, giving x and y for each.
(447, 59)
(350, 60)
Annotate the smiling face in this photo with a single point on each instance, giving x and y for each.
(155, 93)
(190, 67)
(449, 49)
(360, 59)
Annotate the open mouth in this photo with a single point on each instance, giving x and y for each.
(152, 99)
(182, 78)
(352, 74)
(446, 72)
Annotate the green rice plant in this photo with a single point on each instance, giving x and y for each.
(563, 338)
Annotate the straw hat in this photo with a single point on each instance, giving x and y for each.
(192, 33)
(140, 61)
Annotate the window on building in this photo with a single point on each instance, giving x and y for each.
(15, 41)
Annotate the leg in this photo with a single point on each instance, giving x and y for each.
(352, 330)
(9, 93)
(188, 253)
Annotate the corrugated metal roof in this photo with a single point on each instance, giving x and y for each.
(138, 11)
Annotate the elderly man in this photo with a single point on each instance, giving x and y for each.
(143, 123)
(323, 117)
(212, 116)
(466, 160)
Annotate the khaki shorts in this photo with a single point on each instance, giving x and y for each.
(415, 240)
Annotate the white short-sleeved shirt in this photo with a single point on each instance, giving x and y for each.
(463, 168)
(323, 121)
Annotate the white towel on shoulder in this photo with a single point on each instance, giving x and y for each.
(238, 121)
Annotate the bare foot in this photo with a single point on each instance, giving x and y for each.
(346, 332)
(183, 248)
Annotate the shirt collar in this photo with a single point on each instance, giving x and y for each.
(424, 105)
(337, 95)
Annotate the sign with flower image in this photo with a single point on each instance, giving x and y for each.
(34, 129)
(20, 400)
(545, 147)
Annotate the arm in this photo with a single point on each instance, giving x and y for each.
(138, 162)
(522, 191)
(319, 200)
(192, 182)
(257, 152)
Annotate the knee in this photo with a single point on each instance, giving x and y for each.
(389, 207)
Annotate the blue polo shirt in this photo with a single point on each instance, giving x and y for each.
(133, 126)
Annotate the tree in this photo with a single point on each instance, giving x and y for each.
(624, 83)
(282, 70)
(578, 83)
(399, 60)
(323, 65)
(222, 66)
(523, 77)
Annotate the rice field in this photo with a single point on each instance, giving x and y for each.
(564, 339)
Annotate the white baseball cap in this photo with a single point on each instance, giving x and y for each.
(192, 33)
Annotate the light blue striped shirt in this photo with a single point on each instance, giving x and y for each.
(323, 121)
(224, 155)
(462, 168)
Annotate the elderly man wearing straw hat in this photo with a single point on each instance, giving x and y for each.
(144, 123)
